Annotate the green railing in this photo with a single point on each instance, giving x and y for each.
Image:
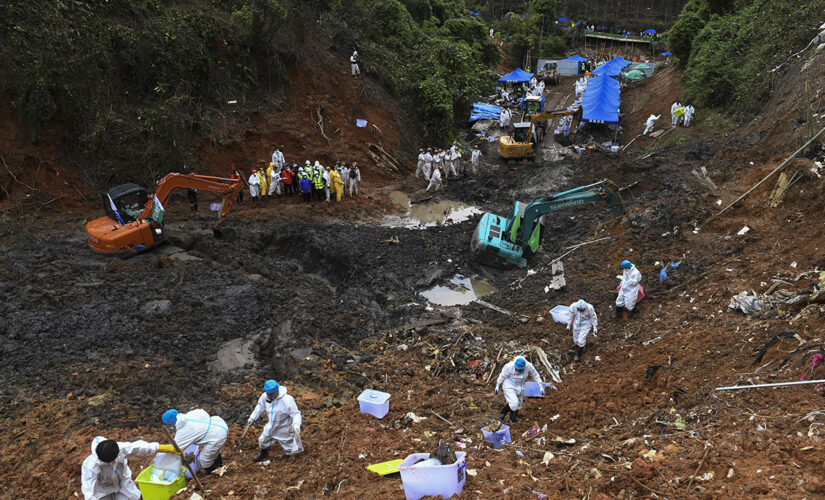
(620, 38)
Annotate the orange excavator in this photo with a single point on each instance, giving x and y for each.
(133, 224)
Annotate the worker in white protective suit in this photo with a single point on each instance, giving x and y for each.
(420, 167)
(354, 179)
(514, 375)
(428, 163)
(674, 119)
(278, 158)
(435, 181)
(629, 289)
(198, 427)
(254, 186)
(651, 122)
(353, 62)
(453, 156)
(284, 425)
(105, 474)
(475, 159)
(582, 320)
(689, 110)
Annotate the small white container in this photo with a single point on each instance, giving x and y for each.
(444, 480)
(376, 403)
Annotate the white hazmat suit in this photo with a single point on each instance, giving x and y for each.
(629, 291)
(651, 122)
(113, 480)
(428, 164)
(197, 427)
(475, 160)
(674, 119)
(420, 167)
(284, 425)
(435, 181)
(582, 320)
(254, 185)
(512, 381)
(354, 180)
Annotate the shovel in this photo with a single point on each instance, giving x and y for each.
(180, 452)
(240, 440)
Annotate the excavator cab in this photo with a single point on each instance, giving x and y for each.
(128, 199)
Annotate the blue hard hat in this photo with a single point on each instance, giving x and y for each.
(170, 417)
(271, 387)
(626, 264)
(520, 363)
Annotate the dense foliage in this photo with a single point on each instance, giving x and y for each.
(729, 48)
(139, 84)
(432, 54)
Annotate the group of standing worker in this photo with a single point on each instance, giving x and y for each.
(678, 114)
(437, 164)
(582, 321)
(309, 181)
(105, 474)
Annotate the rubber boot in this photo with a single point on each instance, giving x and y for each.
(217, 463)
(504, 411)
(262, 454)
(579, 353)
(514, 416)
(619, 311)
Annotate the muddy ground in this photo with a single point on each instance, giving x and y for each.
(326, 299)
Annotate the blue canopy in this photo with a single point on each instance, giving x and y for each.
(600, 103)
(665, 54)
(651, 31)
(576, 58)
(563, 19)
(517, 76)
(612, 67)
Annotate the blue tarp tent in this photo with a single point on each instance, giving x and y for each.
(563, 20)
(576, 58)
(651, 31)
(600, 103)
(612, 67)
(517, 76)
(665, 54)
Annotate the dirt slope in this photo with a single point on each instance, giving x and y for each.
(88, 352)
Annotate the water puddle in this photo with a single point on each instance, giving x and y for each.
(421, 215)
(459, 292)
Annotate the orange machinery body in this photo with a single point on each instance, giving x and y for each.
(106, 235)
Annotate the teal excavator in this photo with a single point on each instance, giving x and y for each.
(507, 242)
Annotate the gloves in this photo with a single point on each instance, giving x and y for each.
(568, 326)
(595, 330)
(167, 448)
(250, 421)
(296, 428)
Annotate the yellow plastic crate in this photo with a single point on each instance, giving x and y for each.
(157, 491)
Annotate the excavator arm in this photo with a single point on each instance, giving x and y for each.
(594, 193)
(576, 113)
(107, 235)
(229, 188)
(503, 241)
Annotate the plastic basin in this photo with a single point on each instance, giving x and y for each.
(153, 490)
(443, 480)
(376, 403)
(560, 314)
(499, 438)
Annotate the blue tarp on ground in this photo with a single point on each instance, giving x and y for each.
(651, 31)
(483, 110)
(665, 54)
(576, 57)
(612, 67)
(600, 103)
(517, 76)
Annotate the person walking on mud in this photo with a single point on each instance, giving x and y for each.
(284, 421)
(582, 320)
(628, 289)
(475, 159)
(514, 375)
(435, 181)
